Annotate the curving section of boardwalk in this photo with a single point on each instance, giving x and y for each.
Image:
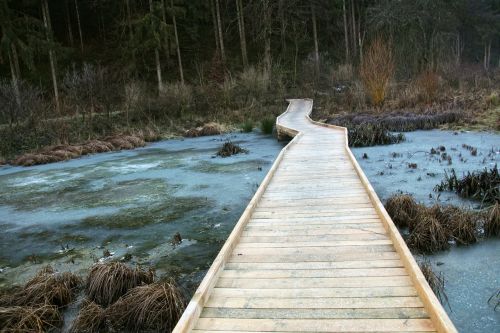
(314, 251)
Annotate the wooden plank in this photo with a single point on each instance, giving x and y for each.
(342, 282)
(317, 238)
(311, 325)
(318, 250)
(245, 244)
(387, 313)
(316, 232)
(315, 273)
(318, 292)
(217, 301)
(316, 264)
(310, 226)
(361, 256)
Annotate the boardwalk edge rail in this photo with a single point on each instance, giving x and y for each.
(192, 312)
(436, 311)
(195, 306)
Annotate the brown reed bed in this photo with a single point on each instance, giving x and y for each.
(91, 319)
(154, 308)
(432, 229)
(205, 130)
(108, 282)
(22, 319)
(479, 185)
(365, 135)
(60, 153)
(403, 210)
(230, 149)
(492, 221)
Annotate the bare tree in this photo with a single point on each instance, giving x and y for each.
(219, 30)
(315, 37)
(52, 57)
(178, 47)
(241, 29)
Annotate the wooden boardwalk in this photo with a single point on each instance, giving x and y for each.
(314, 251)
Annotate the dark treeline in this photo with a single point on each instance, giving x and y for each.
(151, 61)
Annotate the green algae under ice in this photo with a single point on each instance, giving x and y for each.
(129, 205)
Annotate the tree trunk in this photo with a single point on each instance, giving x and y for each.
(216, 27)
(15, 74)
(79, 24)
(346, 35)
(315, 36)
(267, 36)
(179, 58)
(52, 58)
(353, 30)
(241, 28)
(281, 13)
(68, 22)
(130, 32)
(157, 57)
(488, 61)
(219, 30)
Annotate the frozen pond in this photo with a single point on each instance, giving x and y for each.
(130, 203)
(472, 273)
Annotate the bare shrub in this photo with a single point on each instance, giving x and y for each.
(254, 82)
(428, 85)
(84, 89)
(18, 106)
(343, 73)
(178, 97)
(377, 69)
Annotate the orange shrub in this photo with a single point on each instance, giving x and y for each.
(377, 70)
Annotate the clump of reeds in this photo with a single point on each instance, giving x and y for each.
(108, 282)
(492, 223)
(47, 287)
(435, 281)
(155, 307)
(39, 318)
(205, 130)
(370, 135)
(480, 185)
(428, 235)
(267, 125)
(432, 228)
(90, 319)
(247, 126)
(229, 149)
(403, 210)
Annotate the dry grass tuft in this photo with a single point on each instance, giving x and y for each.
(155, 307)
(108, 282)
(47, 287)
(435, 281)
(90, 319)
(428, 235)
(41, 318)
(205, 130)
(403, 210)
(492, 223)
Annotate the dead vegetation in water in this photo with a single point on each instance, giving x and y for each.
(230, 149)
(20, 319)
(47, 287)
(155, 307)
(435, 281)
(432, 229)
(205, 130)
(108, 282)
(403, 210)
(91, 318)
(366, 135)
(65, 152)
(492, 223)
(495, 300)
(479, 185)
